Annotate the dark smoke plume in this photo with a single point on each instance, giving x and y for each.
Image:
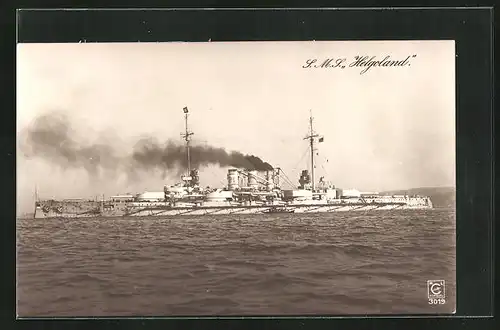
(149, 153)
(51, 137)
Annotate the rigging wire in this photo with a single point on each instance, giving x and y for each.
(324, 169)
(287, 179)
(322, 161)
(301, 158)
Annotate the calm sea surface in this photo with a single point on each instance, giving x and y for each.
(289, 264)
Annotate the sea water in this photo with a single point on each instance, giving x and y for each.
(277, 264)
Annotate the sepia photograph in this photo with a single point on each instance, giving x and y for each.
(258, 178)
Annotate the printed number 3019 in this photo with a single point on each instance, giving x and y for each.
(437, 301)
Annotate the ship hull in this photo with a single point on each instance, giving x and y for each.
(231, 210)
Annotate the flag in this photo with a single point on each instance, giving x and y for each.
(185, 109)
(321, 139)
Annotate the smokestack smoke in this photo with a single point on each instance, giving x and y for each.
(149, 153)
(51, 137)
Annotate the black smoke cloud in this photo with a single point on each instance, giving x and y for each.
(52, 138)
(170, 155)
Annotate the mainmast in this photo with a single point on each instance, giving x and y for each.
(186, 137)
(311, 137)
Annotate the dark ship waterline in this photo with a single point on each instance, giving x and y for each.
(247, 192)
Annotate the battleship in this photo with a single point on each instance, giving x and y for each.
(248, 191)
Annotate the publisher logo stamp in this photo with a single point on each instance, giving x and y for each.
(435, 289)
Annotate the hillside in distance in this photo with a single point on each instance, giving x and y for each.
(441, 197)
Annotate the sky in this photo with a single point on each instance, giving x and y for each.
(387, 128)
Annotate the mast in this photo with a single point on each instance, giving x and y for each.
(186, 137)
(36, 201)
(311, 137)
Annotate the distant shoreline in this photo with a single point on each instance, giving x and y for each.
(441, 197)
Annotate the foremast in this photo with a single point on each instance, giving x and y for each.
(187, 137)
(191, 178)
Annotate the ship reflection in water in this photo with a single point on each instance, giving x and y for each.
(248, 191)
